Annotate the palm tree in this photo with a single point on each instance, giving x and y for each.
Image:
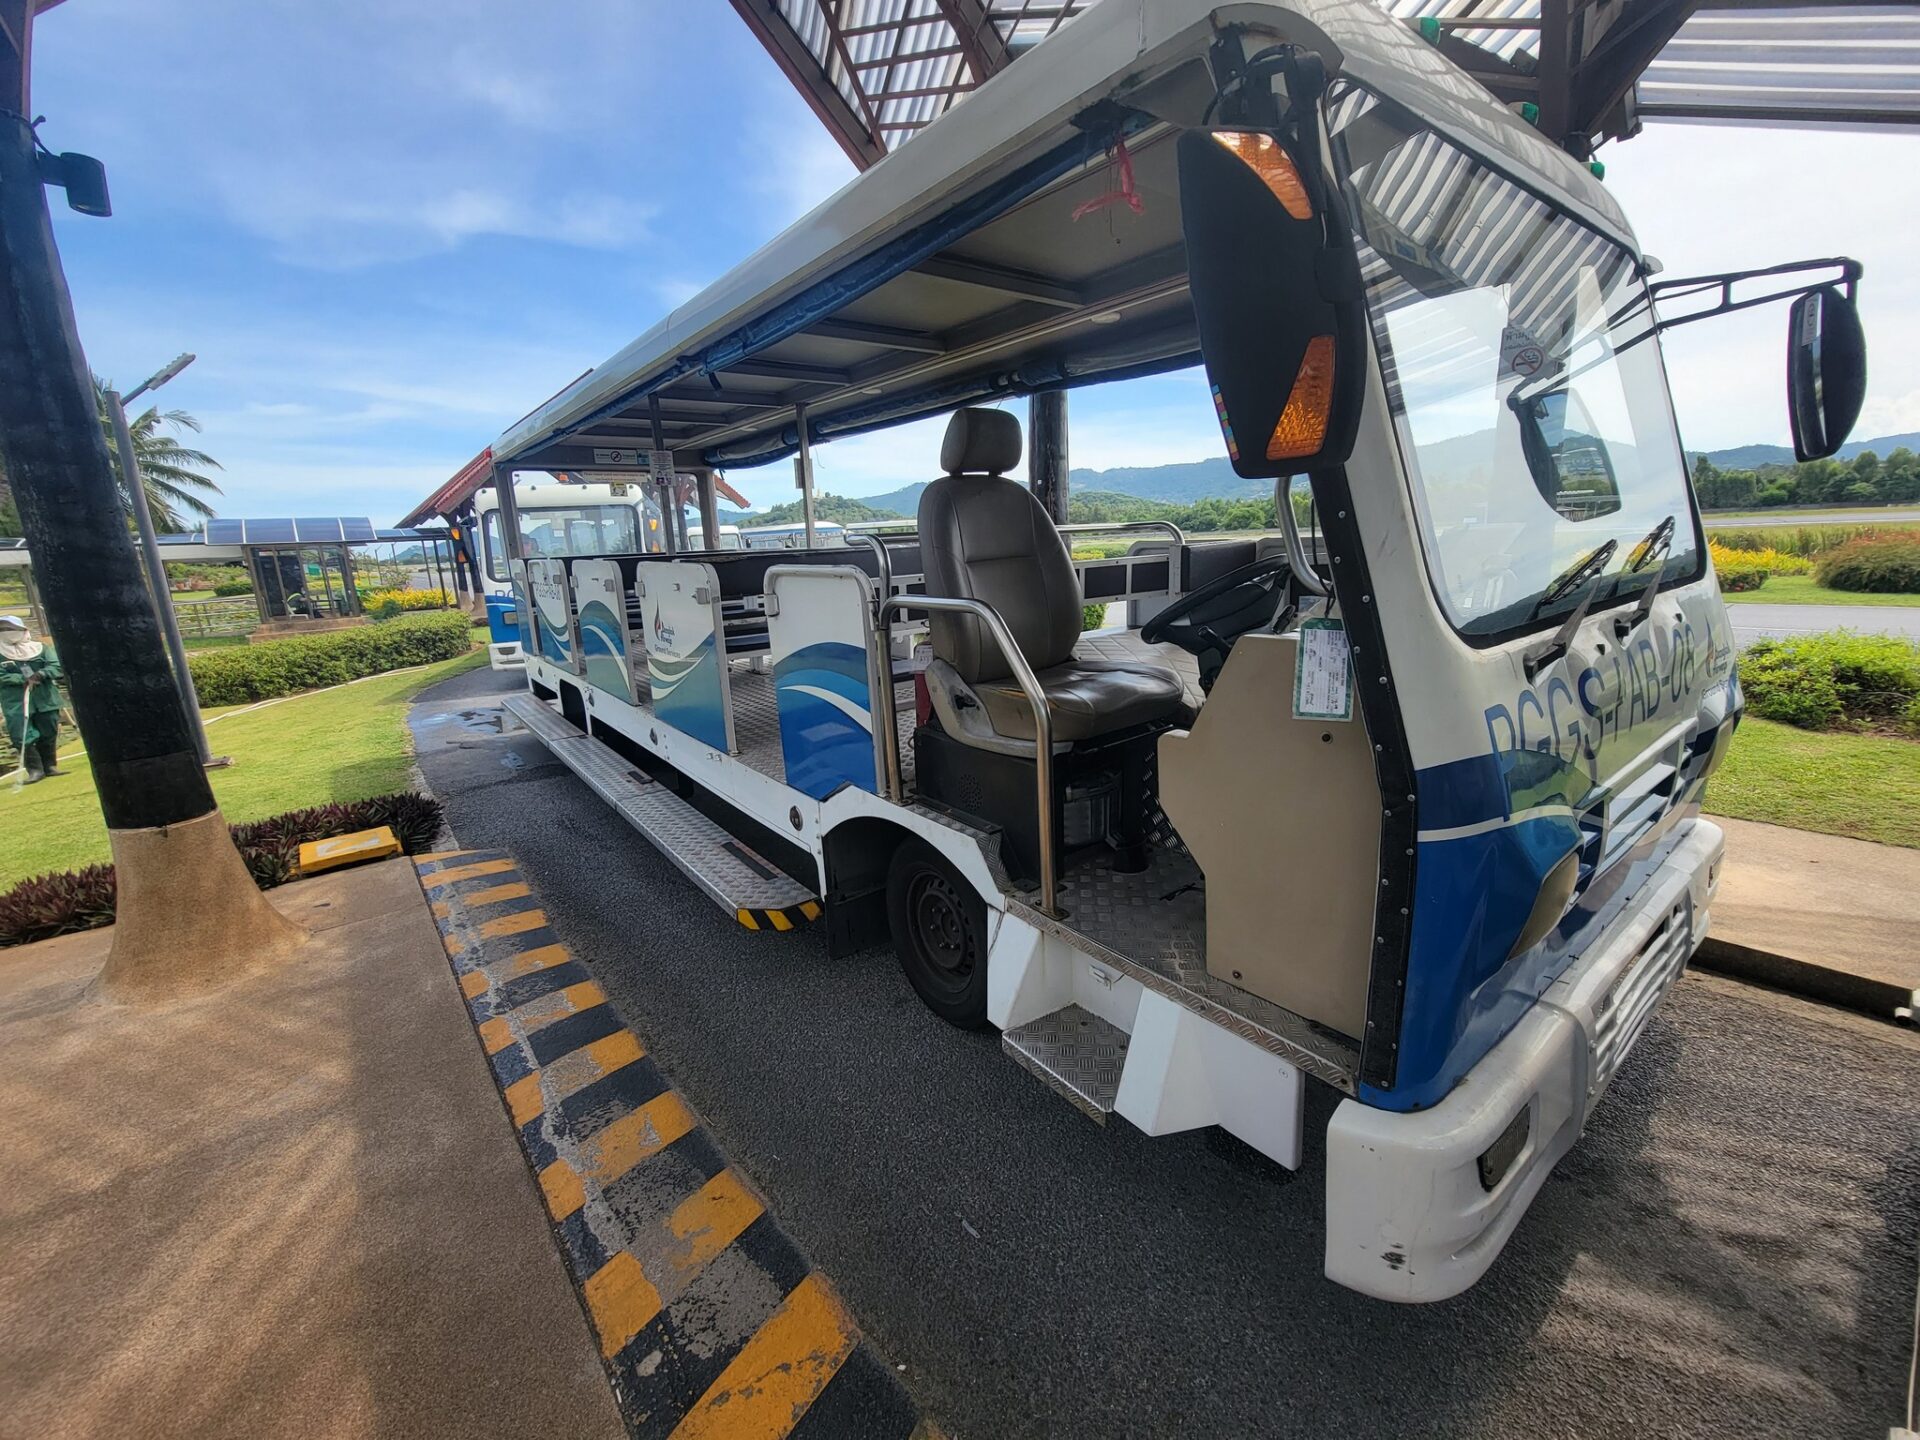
(171, 472)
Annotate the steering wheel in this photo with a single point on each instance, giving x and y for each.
(1238, 601)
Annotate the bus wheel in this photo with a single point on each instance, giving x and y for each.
(939, 925)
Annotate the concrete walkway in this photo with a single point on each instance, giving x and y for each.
(293, 1208)
(1798, 901)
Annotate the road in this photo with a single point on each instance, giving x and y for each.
(1751, 622)
(1776, 518)
(1730, 1251)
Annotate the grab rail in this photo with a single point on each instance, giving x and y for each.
(1165, 527)
(1029, 685)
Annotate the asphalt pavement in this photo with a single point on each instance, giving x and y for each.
(1730, 1251)
(1751, 622)
(1770, 519)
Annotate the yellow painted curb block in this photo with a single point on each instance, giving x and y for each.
(375, 844)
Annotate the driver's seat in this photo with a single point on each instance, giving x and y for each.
(984, 537)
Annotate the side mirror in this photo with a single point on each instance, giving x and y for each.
(1568, 458)
(1276, 292)
(1826, 371)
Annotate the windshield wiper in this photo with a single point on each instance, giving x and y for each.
(1587, 569)
(1657, 542)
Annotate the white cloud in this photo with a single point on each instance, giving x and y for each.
(794, 170)
(1711, 198)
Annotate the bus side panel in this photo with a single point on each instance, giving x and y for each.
(823, 660)
(686, 649)
(605, 651)
(553, 613)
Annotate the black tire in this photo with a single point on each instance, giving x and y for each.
(939, 925)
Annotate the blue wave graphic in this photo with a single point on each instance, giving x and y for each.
(603, 650)
(687, 694)
(824, 746)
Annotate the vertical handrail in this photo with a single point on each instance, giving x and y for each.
(883, 639)
(1029, 685)
(879, 548)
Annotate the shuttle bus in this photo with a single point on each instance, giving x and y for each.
(1404, 804)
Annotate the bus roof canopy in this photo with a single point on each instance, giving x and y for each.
(955, 271)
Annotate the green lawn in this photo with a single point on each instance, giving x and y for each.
(1864, 786)
(1805, 590)
(342, 744)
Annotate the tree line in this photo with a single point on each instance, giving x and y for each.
(1864, 480)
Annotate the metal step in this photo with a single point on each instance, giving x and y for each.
(749, 886)
(1077, 1053)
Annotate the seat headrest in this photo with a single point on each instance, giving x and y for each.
(981, 442)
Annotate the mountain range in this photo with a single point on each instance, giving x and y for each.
(1213, 478)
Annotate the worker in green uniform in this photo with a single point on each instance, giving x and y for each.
(30, 677)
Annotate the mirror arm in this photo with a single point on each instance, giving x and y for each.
(1849, 278)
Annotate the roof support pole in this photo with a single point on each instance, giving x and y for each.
(189, 916)
(803, 468)
(709, 510)
(665, 492)
(1047, 451)
(1555, 73)
(509, 518)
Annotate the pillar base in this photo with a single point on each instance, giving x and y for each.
(189, 917)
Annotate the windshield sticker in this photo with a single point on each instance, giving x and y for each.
(1322, 679)
(1520, 353)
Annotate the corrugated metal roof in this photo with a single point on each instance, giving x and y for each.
(1855, 65)
(895, 65)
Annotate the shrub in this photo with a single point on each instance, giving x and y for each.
(307, 662)
(60, 904)
(1092, 617)
(1819, 680)
(50, 905)
(1737, 569)
(381, 603)
(1886, 565)
(228, 588)
(1807, 541)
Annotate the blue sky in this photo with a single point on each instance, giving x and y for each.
(390, 228)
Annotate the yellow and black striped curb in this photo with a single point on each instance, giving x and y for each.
(710, 1320)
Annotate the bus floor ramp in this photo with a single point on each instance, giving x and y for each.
(750, 888)
(710, 1320)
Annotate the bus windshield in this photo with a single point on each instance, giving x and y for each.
(573, 530)
(1531, 410)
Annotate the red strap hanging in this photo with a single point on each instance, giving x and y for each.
(1124, 193)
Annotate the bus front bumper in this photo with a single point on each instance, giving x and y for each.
(1419, 1204)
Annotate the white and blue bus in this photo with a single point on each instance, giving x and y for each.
(1403, 805)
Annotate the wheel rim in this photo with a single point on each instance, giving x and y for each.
(939, 927)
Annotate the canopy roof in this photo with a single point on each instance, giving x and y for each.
(970, 268)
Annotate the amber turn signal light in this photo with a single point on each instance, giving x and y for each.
(1303, 424)
(1268, 159)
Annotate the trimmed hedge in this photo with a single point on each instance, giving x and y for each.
(73, 900)
(307, 662)
(1888, 565)
(384, 603)
(1737, 570)
(1816, 681)
(227, 589)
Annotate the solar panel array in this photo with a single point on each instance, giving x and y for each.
(353, 530)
